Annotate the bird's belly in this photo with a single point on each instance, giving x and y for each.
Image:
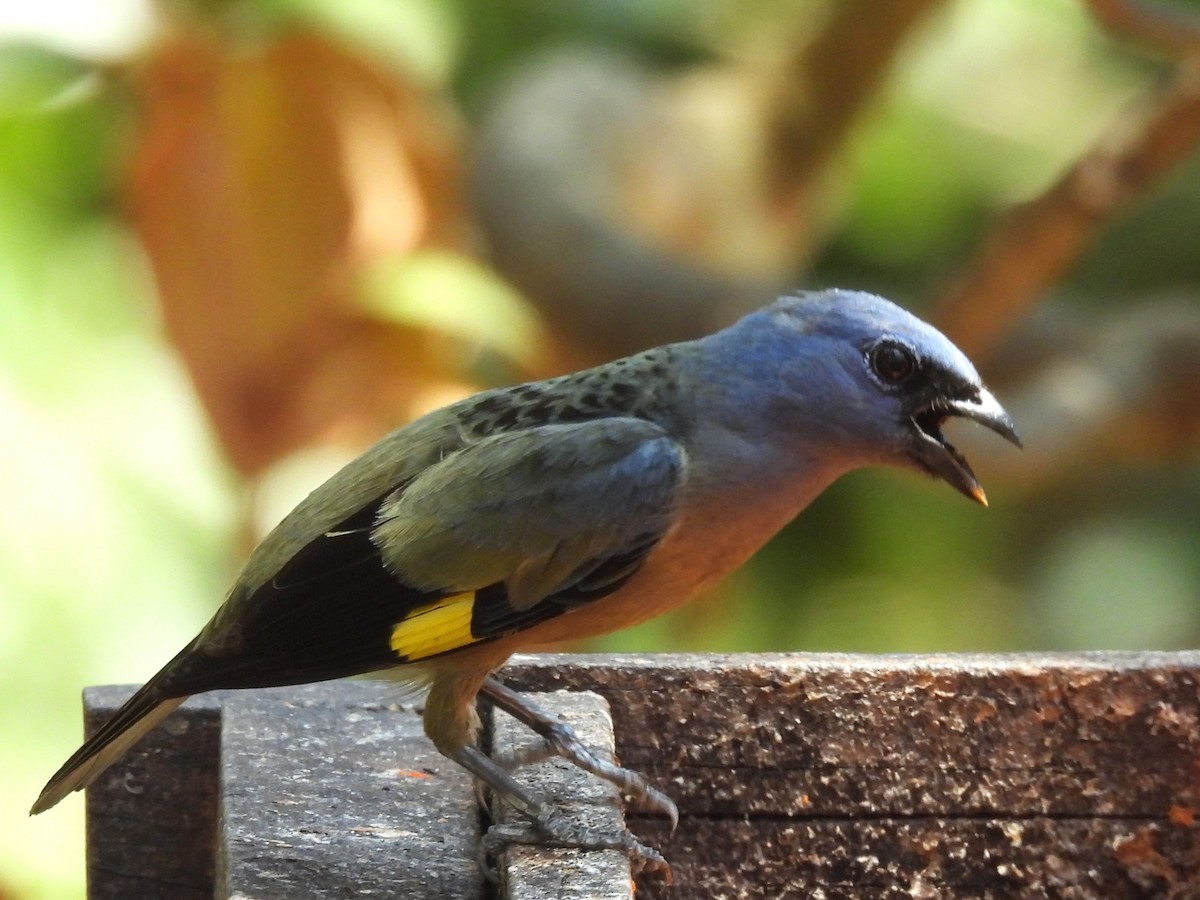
(707, 544)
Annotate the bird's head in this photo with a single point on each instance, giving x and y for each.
(876, 384)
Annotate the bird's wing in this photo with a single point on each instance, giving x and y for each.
(494, 537)
(522, 526)
(531, 509)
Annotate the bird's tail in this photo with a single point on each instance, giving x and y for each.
(140, 713)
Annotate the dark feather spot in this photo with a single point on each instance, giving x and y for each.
(573, 414)
(623, 391)
(540, 413)
(489, 405)
(507, 419)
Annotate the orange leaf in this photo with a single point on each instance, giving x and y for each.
(260, 182)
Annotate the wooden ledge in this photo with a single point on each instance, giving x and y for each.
(796, 775)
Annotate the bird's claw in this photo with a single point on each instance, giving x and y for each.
(559, 739)
(559, 831)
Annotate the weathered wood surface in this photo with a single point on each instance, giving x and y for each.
(325, 791)
(1074, 776)
(331, 791)
(544, 873)
(151, 820)
(318, 791)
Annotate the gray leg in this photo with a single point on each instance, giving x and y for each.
(560, 829)
(560, 740)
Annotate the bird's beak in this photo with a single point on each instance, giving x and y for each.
(933, 453)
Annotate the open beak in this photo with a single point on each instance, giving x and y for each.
(932, 452)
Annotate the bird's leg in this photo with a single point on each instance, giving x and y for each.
(553, 824)
(559, 739)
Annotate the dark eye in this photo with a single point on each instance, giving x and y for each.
(892, 362)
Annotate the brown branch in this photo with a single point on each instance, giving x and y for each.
(1037, 243)
(819, 92)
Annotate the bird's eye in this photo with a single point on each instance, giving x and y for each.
(892, 362)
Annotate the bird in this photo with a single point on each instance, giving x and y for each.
(563, 509)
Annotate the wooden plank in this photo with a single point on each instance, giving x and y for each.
(544, 873)
(1073, 776)
(151, 819)
(333, 790)
(969, 858)
(939, 776)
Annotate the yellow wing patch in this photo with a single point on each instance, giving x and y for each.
(435, 628)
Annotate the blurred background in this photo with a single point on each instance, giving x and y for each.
(241, 239)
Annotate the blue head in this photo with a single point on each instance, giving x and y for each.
(861, 378)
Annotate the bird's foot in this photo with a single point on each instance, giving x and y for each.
(558, 830)
(549, 825)
(559, 739)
